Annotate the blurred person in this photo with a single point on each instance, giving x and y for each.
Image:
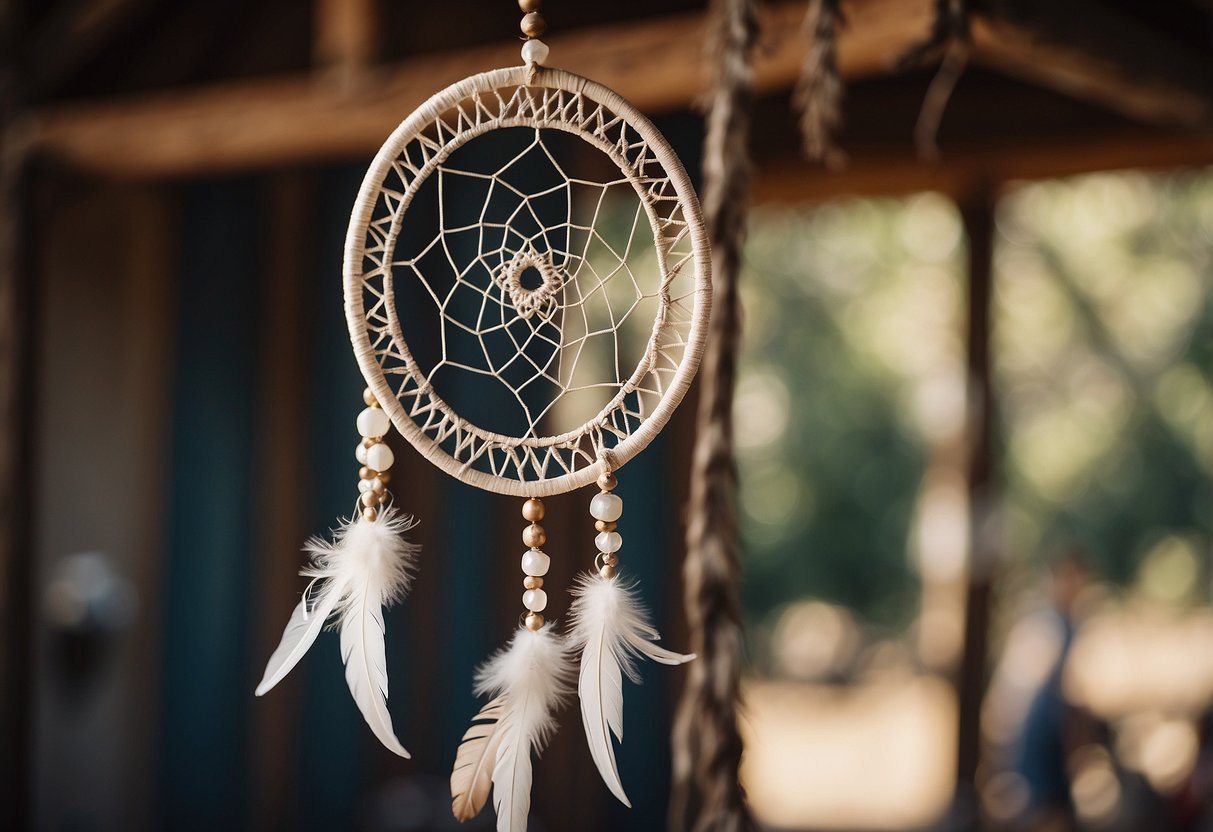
(1192, 806)
(1042, 726)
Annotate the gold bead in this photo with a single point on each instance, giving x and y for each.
(529, 6)
(369, 514)
(532, 582)
(533, 25)
(605, 525)
(533, 536)
(384, 477)
(378, 485)
(610, 559)
(607, 481)
(365, 473)
(532, 510)
(369, 498)
(381, 496)
(368, 441)
(369, 398)
(534, 621)
(607, 571)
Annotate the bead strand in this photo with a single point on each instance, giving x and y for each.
(534, 51)
(374, 455)
(535, 564)
(606, 509)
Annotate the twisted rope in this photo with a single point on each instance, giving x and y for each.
(707, 743)
(818, 93)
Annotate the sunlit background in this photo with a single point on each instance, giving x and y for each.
(851, 418)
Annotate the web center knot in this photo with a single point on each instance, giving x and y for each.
(531, 280)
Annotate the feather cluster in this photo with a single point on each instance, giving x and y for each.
(611, 630)
(368, 565)
(527, 681)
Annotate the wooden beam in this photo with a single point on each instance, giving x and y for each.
(877, 173)
(657, 64)
(1104, 59)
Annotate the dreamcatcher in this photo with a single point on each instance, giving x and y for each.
(543, 249)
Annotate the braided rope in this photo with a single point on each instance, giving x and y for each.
(707, 743)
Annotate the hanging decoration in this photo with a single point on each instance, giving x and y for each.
(528, 288)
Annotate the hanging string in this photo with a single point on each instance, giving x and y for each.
(707, 744)
(949, 34)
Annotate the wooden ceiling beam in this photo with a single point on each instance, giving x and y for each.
(658, 64)
(1091, 52)
(870, 173)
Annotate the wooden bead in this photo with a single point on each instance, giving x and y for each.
(382, 495)
(369, 498)
(532, 582)
(534, 621)
(607, 571)
(610, 559)
(605, 525)
(365, 473)
(368, 398)
(368, 441)
(369, 514)
(529, 6)
(377, 484)
(383, 476)
(532, 510)
(533, 536)
(607, 481)
(533, 25)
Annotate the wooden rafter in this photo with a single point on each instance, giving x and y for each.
(789, 180)
(657, 63)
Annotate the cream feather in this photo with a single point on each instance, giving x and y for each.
(368, 565)
(610, 629)
(529, 678)
(472, 777)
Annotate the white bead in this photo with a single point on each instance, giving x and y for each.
(535, 600)
(360, 454)
(606, 507)
(609, 542)
(365, 486)
(373, 422)
(534, 52)
(536, 563)
(379, 457)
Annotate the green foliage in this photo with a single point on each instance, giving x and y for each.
(853, 379)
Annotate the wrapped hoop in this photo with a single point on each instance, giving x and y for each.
(637, 402)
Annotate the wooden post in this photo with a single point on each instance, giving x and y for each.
(16, 382)
(977, 212)
(344, 37)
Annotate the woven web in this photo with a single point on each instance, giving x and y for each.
(528, 281)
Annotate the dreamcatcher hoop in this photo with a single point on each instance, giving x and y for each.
(534, 465)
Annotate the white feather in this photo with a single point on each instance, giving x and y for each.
(531, 676)
(300, 633)
(366, 566)
(611, 630)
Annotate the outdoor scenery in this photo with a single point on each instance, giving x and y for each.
(850, 420)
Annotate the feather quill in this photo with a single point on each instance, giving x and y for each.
(367, 566)
(528, 679)
(611, 630)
